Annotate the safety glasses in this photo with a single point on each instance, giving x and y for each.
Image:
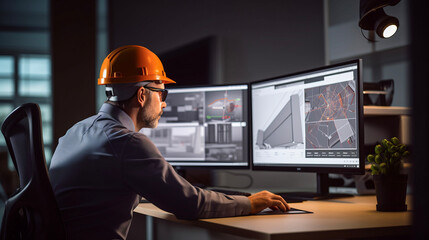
(163, 92)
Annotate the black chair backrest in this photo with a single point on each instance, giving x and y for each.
(32, 212)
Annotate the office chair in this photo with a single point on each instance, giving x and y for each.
(32, 211)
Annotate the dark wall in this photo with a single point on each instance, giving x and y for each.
(420, 86)
(73, 62)
(258, 39)
(197, 62)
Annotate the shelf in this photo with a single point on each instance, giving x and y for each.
(386, 110)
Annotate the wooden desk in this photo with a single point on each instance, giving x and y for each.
(341, 218)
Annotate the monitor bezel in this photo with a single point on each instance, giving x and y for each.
(354, 171)
(214, 167)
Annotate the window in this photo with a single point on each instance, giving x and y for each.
(34, 76)
(27, 78)
(7, 84)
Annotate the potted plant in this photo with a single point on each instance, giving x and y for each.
(386, 167)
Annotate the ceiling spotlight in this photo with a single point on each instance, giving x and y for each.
(373, 18)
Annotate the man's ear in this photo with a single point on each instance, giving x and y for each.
(140, 96)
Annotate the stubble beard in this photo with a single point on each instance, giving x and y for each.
(149, 120)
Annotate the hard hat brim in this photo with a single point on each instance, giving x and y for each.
(134, 79)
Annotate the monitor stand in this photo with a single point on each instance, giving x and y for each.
(321, 194)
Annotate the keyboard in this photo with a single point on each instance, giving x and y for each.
(268, 211)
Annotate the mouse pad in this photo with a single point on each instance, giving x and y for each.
(268, 211)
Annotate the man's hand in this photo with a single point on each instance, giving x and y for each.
(261, 200)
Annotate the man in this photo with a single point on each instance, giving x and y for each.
(102, 166)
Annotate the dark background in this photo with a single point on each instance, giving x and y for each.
(220, 42)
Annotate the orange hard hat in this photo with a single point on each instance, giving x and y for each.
(132, 64)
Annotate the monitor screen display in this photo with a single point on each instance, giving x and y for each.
(309, 121)
(204, 126)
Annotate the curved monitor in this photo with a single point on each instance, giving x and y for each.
(310, 121)
(204, 126)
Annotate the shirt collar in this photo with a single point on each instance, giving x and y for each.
(118, 114)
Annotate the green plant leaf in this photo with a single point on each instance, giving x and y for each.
(379, 149)
(402, 148)
(396, 156)
(393, 149)
(375, 170)
(377, 158)
(388, 157)
(384, 142)
(395, 140)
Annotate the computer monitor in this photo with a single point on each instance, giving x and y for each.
(204, 126)
(310, 122)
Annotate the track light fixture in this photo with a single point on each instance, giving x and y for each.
(373, 18)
